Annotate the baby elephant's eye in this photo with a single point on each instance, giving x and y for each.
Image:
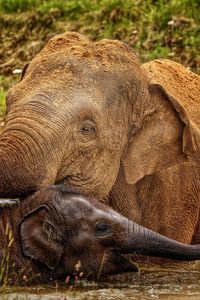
(102, 229)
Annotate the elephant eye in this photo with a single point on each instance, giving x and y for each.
(87, 131)
(102, 229)
(88, 128)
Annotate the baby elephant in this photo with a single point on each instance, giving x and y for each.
(57, 233)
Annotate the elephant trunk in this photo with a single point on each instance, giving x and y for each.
(26, 162)
(19, 171)
(146, 242)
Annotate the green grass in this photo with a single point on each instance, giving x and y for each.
(2, 102)
(5, 265)
(17, 5)
(4, 85)
(143, 24)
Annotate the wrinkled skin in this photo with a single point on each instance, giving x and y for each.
(88, 115)
(58, 233)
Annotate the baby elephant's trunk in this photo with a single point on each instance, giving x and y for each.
(144, 241)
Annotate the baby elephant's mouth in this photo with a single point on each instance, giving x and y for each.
(115, 263)
(124, 263)
(111, 263)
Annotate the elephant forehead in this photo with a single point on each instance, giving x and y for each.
(105, 213)
(75, 205)
(56, 64)
(67, 81)
(107, 52)
(76, 208)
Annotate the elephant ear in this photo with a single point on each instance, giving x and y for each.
(39, 238)
(170, 133)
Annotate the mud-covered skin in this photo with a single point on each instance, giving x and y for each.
(57, 233)
(88, 115)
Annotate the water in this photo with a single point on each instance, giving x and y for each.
(167, 283)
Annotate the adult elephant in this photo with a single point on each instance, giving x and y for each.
(86, 113)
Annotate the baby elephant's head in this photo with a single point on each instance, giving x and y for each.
(76, 236)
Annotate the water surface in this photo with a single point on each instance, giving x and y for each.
(152, 283)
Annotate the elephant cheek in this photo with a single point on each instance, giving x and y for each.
(108, 176)
(93, 175)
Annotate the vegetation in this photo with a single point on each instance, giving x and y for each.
(154, 28)
(2, 97)
(2, 103)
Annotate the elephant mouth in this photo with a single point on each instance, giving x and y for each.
(124, 263)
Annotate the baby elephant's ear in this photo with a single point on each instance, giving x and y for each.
(170, 133)
(39, 238)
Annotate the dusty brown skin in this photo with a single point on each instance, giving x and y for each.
(58, 233)
(87, 114)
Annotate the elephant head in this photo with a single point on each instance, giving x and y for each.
(83, 108)
(76, 236)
